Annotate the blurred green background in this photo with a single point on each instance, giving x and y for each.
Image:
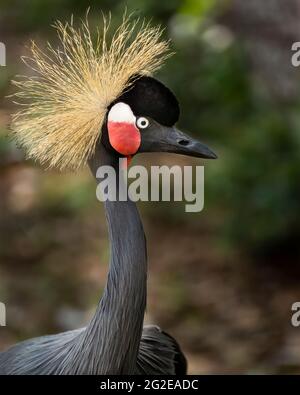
(225, 291)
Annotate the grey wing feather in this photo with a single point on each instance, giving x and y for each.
(159, 353)
(39, 356)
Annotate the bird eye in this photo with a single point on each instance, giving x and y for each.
(142, 123)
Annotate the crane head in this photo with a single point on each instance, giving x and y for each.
(90, 85)
(142, 119)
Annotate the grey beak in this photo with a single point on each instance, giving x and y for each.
(169, 139)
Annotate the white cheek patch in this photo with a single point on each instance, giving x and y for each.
(121, 112)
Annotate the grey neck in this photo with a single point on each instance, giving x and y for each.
(112, 338)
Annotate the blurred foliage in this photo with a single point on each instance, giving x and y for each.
(253, 187)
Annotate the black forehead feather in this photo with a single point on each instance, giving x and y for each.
(149, 97)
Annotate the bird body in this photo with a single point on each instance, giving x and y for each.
(137, 115)
(159, 354)
(114, 342)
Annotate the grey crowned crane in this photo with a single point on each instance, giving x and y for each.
(93, 104)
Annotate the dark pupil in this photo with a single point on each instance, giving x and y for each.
(143, 123)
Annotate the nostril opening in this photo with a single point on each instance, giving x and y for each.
(183, 142)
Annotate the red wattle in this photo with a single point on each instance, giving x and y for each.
(124, 137)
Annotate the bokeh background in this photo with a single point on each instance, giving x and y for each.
(221, 281)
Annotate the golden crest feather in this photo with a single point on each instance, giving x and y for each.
(65, 102)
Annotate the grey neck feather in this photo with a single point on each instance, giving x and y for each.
(111, 341)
